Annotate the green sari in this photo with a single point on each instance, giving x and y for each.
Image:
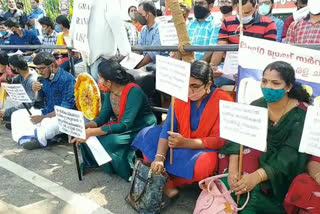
(137, 114)
(282, 161)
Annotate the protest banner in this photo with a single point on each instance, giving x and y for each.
(17, 93)
(244, 124)
(168, 34)
(306, 63)
(79, 25)
(71, 122)
(310, 140)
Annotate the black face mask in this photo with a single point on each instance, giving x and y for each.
(226, 9)
(141, 19)
(200, 12)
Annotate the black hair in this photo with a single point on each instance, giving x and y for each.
(45, 58)
(20, 5)
(253, 2)
(201, 70)
(46, 21)
(18, 61)
(302, 1)
(11, 23)
(63, 20)
(4, 58)
(113, 71)
(159, 13)
(210, 1)
(149, 7)
(130, 8)
(37, 1)
(287, 73)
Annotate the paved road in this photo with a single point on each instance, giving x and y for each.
(45, 182)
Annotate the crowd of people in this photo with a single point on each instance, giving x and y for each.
(280, 180)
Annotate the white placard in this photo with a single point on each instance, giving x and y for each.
(172, 77)
(131, 61)
(310, 140)
(17, 93)
(244, 124)
(231, 63)
(70, 122)
(99, 153)
(80, 22)
(300, 14)
(168, 34)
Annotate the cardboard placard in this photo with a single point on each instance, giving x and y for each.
(17, 93)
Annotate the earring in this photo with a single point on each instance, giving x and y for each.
(208, 91)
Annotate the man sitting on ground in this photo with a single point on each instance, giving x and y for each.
(26, 77)
(58, 89)
(49, 34)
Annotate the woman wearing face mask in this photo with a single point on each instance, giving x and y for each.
(195, 137)
(267, 175)
(124, 113)
(132, 14)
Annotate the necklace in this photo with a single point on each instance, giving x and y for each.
(272, 114)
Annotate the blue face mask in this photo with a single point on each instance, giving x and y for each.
(57, 29)
(264, 9)
(273, 95)
(246, 19)
(3, 33)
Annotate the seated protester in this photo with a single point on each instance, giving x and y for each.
(194, 139)
(58, 89)
(49, 34)
(17, 15)
(265, 9)
(267, 175)
(64, 25)
(257, 26)
(4, 34)
(21, 36)
(132, 11)
(204, 29)
(307, 30)
(299, 4)
(26, 77)
(36, 14)
(302, 197)
(5, 72)
(149, 34)
(124, 113)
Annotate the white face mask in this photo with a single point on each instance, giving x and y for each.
(314, 7)
(132, 15)
(245, 19)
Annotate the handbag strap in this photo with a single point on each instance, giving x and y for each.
(245, 204)
(134, 179)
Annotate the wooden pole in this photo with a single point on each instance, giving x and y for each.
(183, 37)
(241, 146)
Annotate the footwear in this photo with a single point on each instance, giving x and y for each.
(8, 126)
(32, 144)
(166, 201)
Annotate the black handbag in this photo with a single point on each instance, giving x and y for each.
(146, 189)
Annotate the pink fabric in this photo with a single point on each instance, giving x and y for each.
(7, 73)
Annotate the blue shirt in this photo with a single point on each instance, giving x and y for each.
(59, 91)
(28, 38)
(195, 115)
(36, 14)
(279, 24)
(151, 37)
(203, 33)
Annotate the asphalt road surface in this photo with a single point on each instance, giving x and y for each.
(45, 181)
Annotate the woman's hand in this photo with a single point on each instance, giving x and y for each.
(246, 183)
(232, 180)
(176, 140)
(77, 141)
(89, 132)
(157, 167)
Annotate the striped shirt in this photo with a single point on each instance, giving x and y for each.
(204, 33)
(50, 40)
(262, 27)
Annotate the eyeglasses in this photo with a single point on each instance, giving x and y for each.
(195, 87)
(42, 68)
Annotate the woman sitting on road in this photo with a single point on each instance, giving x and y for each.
(124, 113)
(267, 175)
(195, 137)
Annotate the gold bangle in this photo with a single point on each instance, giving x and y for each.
(260, 175)
(162, 156)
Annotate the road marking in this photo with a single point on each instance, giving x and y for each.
(82, 204)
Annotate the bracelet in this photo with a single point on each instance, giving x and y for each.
(162, 156)
(260, 175)
(316, 175)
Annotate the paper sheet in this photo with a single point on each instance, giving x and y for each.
(131, 61)
(99, 153)
(231, 64)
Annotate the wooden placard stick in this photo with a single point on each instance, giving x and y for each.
(180, 24)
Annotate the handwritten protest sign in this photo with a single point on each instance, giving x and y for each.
(172, 77)
(168, 34)
(80, 22)
(244, 124)
(310, 140)
(231, 63)
(131, 61)
(256, 54)
(17, 93)
(71, 122)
